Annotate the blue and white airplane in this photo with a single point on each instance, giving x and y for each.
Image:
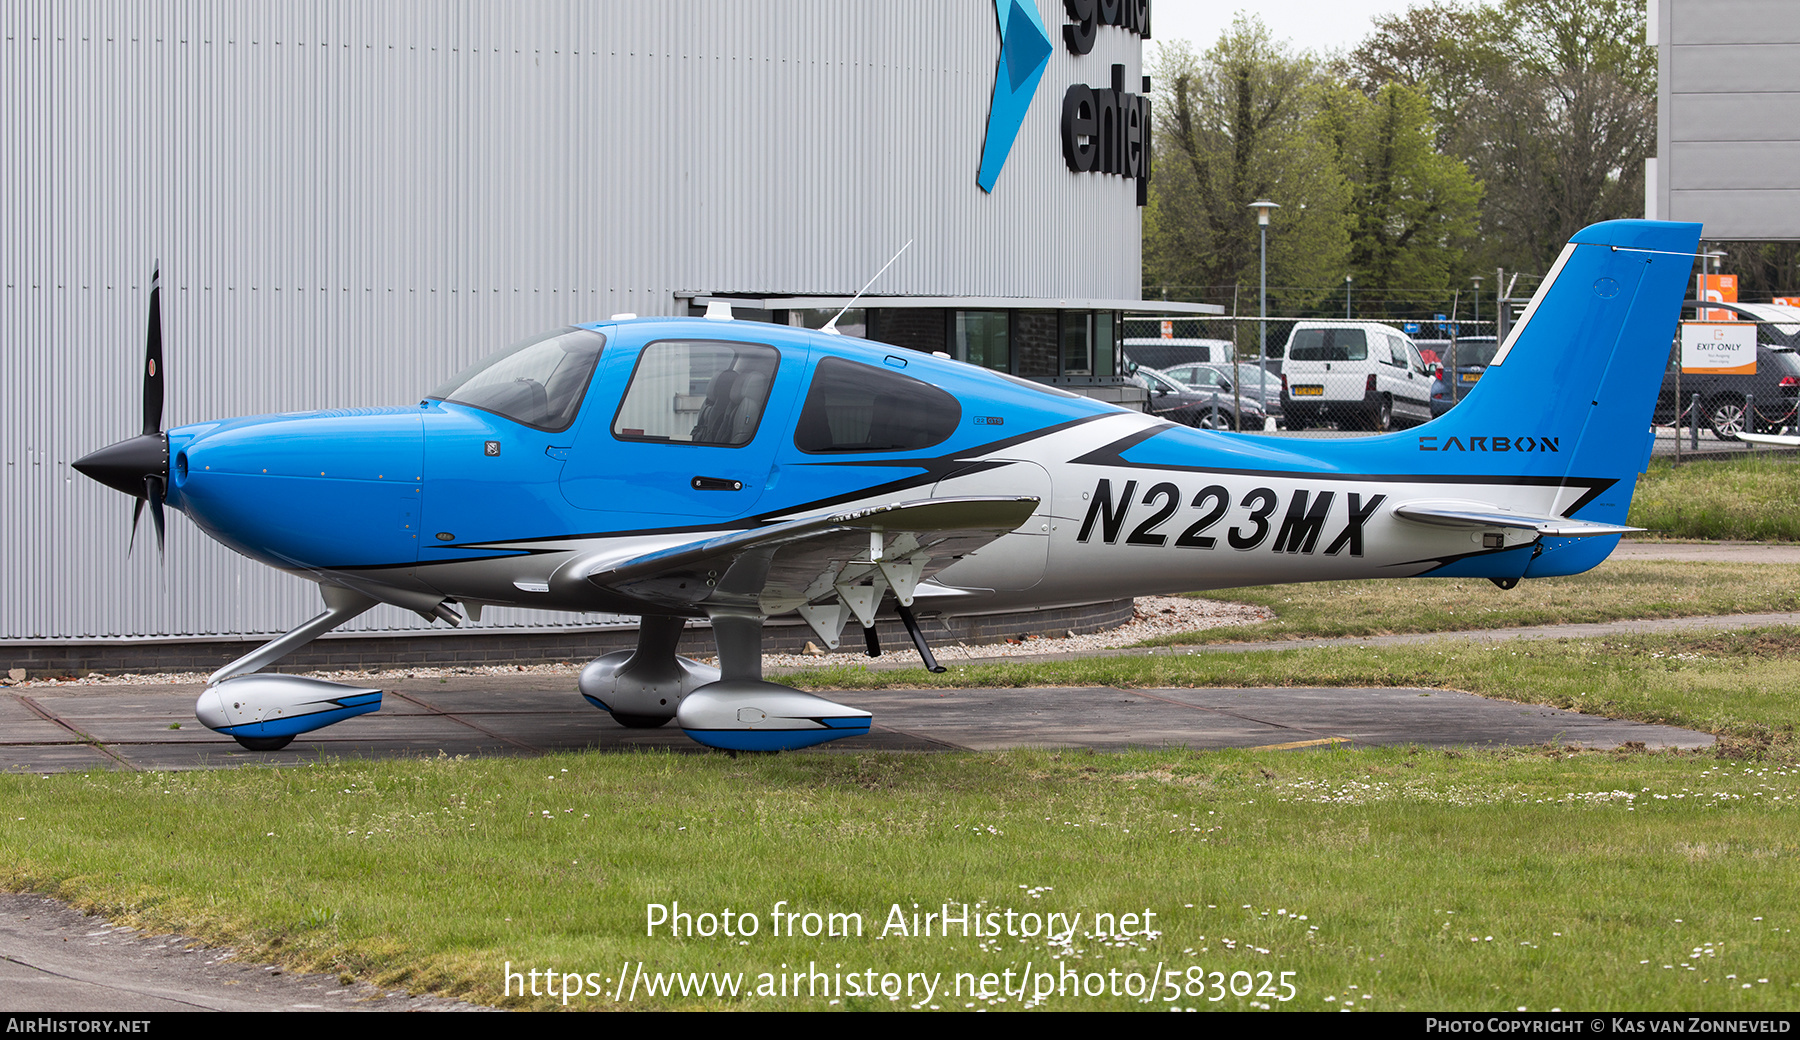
(735, 471)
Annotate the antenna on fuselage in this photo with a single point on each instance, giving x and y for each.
(831, 326)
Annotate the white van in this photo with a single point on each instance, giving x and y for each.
(1360, 375)
(1163, 353)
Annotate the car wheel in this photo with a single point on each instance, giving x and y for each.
(1224, 423)
(1383, 420)
(1727, 418)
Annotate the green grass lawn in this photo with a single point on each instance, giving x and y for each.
(1387, 879)
(1748, 497)
(1616, 590)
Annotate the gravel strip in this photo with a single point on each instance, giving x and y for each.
(1154, 616)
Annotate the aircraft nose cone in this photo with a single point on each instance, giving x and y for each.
(123, 466)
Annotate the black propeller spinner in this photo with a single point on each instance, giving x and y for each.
(140, 466)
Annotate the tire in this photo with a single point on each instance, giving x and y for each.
(1726, 417)
(639, 721)
(1381, 420)
(264, 743)
(1224, 423)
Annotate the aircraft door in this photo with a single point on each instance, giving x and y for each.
(1015, 561)
(688, 428)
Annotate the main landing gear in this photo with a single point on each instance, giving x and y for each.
(729, 707)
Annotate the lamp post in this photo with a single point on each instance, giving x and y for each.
(1262, 208)
(1477, 280)
(1347, 279)
(1714, 290)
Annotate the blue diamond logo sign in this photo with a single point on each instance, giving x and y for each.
(1024, 52)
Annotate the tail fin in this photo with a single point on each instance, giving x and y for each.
(1571, 391)
(1584, 362)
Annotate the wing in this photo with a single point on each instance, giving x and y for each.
(823, 564)
(1477, 516)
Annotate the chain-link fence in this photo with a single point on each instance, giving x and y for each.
(1758, 397)
(1721, 403)
(1394, 385)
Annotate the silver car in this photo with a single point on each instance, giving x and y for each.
(1264, 393)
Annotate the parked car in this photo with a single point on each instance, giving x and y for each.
(1166, 353)
(1472, 357)
(1433, 351)
(1726, 397)
(1207, 407)
(1265, 391)
(1360, 375)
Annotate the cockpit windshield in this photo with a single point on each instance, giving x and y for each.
(539, 383)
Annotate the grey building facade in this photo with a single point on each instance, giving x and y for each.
(1728, 145)
(352, 201)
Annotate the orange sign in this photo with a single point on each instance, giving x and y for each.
(1168, 330)
(1787, 301)
(1719, 288)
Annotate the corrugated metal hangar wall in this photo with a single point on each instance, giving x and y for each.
(1728, 146)
(352, 201)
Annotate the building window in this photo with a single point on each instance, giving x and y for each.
(982, 338)
(1077, 344)
(1109, 343)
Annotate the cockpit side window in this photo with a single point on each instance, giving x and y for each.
(858, 408)
(697, 392)
(539, 383)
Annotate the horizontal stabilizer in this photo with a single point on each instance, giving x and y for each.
(1475, 517)
(1773, 440)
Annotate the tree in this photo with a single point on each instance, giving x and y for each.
(1236, 125)
(1438, 49)
(1567, 122)
(1552, 104)
(1413, 209)
(1764, 269)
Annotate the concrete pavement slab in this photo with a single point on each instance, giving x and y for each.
(127, 727)
(53, 958)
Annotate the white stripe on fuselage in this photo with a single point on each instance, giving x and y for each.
(1120, 530)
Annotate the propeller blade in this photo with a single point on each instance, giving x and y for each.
(136, 512)
(153, 490)
(153, 357)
